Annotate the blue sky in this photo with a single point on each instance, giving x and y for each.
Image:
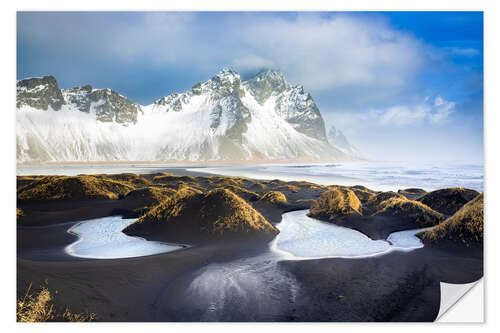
(401, 85)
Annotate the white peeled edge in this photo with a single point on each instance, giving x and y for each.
(456, 305)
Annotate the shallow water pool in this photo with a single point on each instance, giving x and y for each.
(103, 239)
(302, 237)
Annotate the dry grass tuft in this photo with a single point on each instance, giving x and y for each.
(464, 227)
(228, 181)
(374, 201)
(167, 178)
(77, 187)
(243, 193)
(412, 210)
(218, 212)
(19, 213)
(223, 211)
(412, 193)
(151, 195)
(364, 194)
(274, 197)
(307, 185)
(336, 202)
(129, 178)
(169, 208)
(39, 307)
(258, 187)
(288, 187)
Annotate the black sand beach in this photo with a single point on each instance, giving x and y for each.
(399, 286)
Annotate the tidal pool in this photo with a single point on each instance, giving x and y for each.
(302, 237)
(103, 239)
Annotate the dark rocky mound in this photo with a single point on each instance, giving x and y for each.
(78, 187)
(334, 203)
(409, 210)
(190, 215)
(465, 227)
(449, 200)
(412, 193)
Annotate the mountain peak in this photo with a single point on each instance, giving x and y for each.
(40, 93)
(265, 83)
(226, 74)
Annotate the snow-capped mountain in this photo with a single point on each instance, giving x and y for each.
(223, 118)
(338, 139)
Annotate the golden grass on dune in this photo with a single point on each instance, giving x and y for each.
(374, 202)
(217, 212)
(288, 187)
(232, 214)
(449, 200)
(73, 187)
(412, 210)
(336, 202)
(259, 187)
(167, 177)
(243, 193)
(412, 193)
(129, 178)
(39, 307)
(151, 195)
(307, 185)
(171, 207)
(464, 227)
(274, 197)
(227, 181)
(363, 193)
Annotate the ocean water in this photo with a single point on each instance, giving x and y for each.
(103, 238)
(377, 176)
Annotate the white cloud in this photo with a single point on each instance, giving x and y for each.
(430, 111)
(435, 112)
(441, 111)
(314, 50)
(404, 115)
(325, 53)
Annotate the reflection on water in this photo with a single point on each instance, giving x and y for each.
(102, 239)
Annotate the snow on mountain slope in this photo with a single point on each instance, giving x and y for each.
(223, 118)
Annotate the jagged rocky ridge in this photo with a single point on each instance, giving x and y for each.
(223, 118)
